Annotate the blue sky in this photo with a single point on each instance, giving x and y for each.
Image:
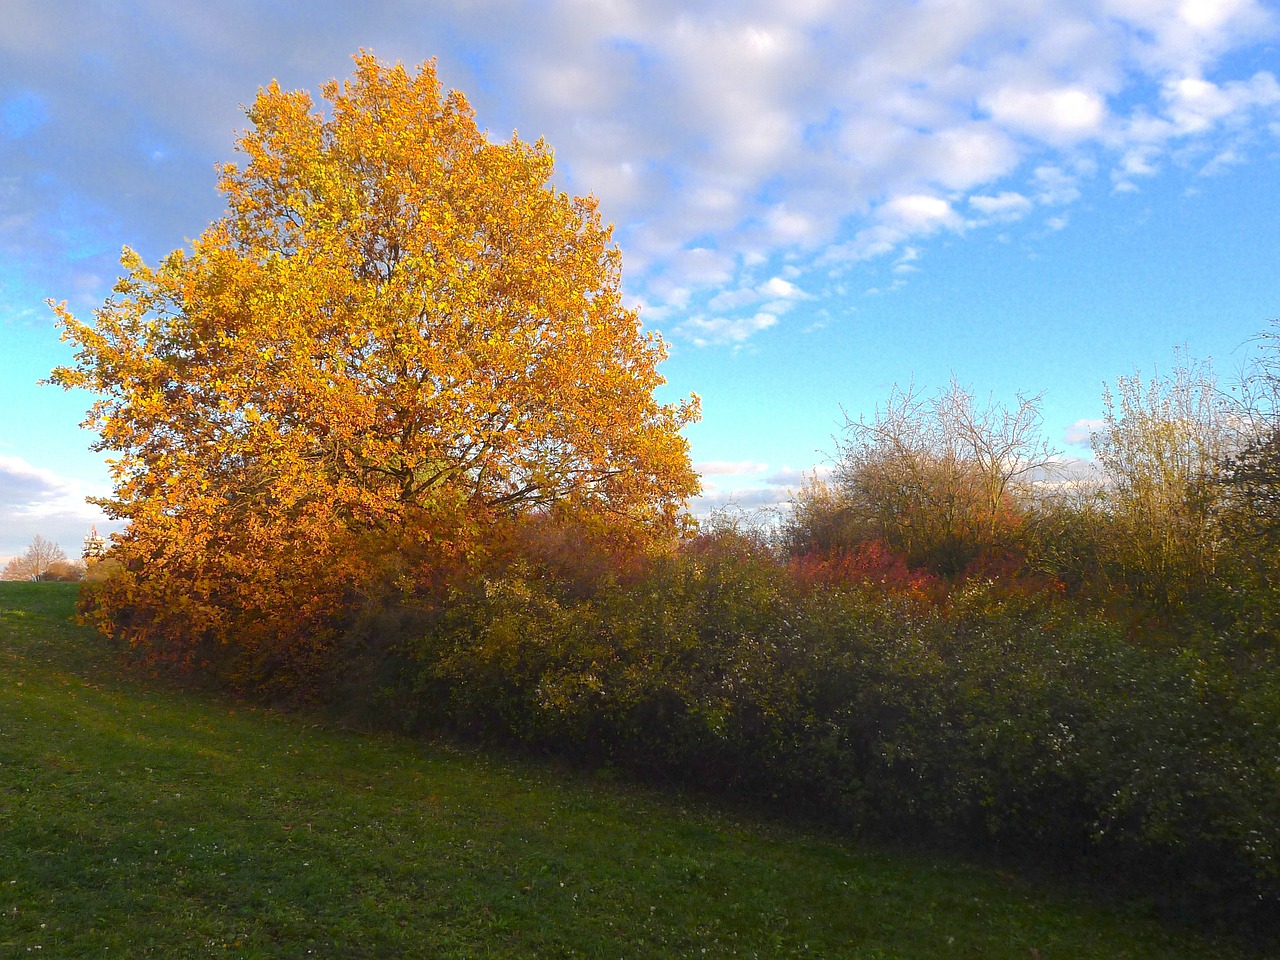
(815, 200)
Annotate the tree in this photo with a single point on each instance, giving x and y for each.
(1250, 474)
(1162, 447)
(1248, 485)
(398, 334)
(819, 521)
(940, 480)
(68, 571)
(43, 560)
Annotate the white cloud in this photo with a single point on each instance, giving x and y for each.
(708, 331)
(1141, 161)
(973, 154)
(788, 226)
(1080, 433)
(1080, 473)
(1055, 186)
(571, 86)
(727, 467)
(792, 478)
(771, 299)
(1221, 162)
(918, 213)
(703, 266)
(1060, 116)
(23, 483)
(1006, 206)
(774, 493)
(1183, 38)
(741, 501)
(777, 287)
(1209, 14)
(35, 500)
(734, 103)
(1195, 105)
(899, 219)
(733, 299)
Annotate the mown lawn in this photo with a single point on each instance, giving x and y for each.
(143, 821)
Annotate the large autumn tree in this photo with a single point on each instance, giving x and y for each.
(399, 332)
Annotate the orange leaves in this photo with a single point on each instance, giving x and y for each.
(398, 323)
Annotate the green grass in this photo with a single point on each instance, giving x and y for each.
(141, 821)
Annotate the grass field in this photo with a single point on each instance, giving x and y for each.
(142, 821)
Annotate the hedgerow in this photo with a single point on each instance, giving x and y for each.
(981, 717)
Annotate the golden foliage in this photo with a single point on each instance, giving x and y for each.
(398, 326)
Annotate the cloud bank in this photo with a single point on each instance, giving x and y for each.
(34, 500)
(729, 142)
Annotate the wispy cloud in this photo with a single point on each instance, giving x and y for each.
(791, 477)
(20, 482)
(705, 331)
(1006, 206)
(774, 492)
(729, 468)
(1080, 433)
(35, 500)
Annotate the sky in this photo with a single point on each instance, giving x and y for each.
(815, 200)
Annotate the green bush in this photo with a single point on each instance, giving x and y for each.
(1007, 722)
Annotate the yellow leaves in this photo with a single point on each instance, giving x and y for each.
(399, 325)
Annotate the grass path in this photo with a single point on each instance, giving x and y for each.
(139, 821)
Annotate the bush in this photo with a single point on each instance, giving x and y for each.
(983, 718)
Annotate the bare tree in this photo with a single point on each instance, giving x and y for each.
(1250, 475)
(37, 563)
(941, 479)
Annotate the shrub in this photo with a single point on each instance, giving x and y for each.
(983, 717)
